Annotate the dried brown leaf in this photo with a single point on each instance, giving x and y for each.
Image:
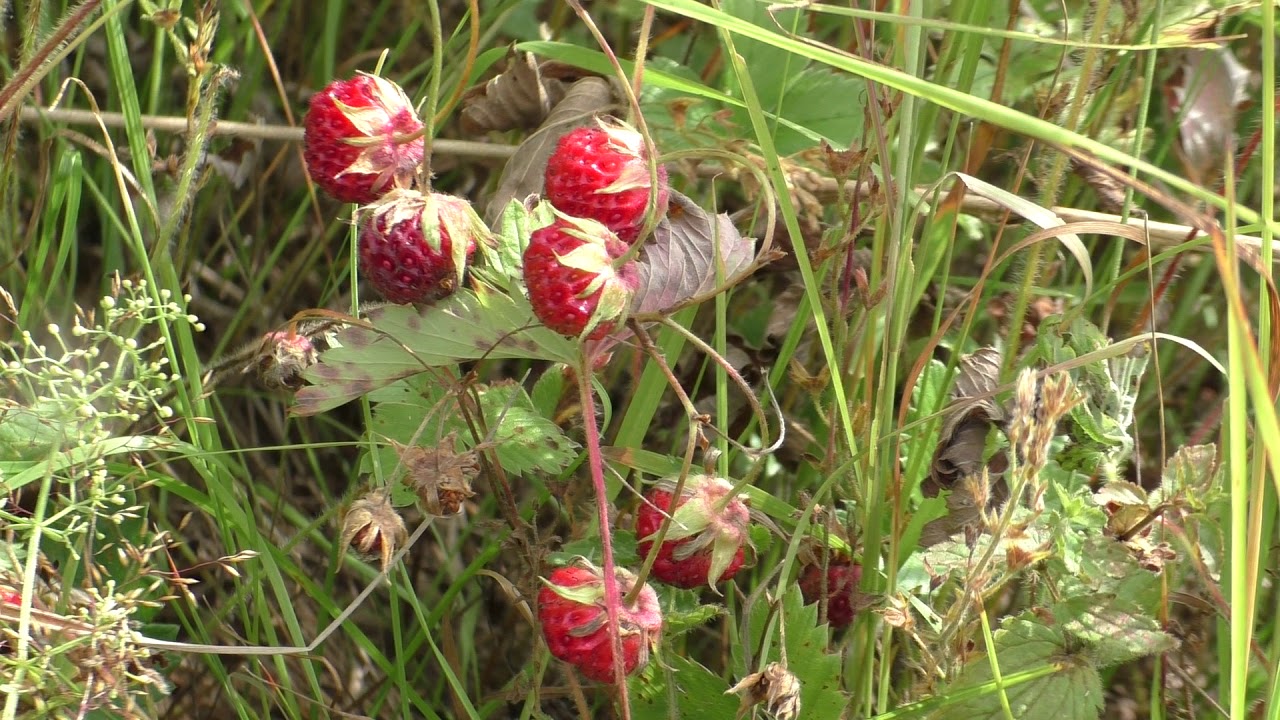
(519, 98)
(523, 174)
(680, 262)
(961, 446)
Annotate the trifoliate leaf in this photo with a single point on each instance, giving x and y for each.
(526, 440)
(417, 411)
(1072, 692)
(1188, 476)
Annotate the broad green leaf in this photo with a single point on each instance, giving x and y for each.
(29, 433)
(1112, 629)
(1074, 692)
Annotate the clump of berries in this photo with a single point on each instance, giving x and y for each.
(354, 138)
(839, 587)
(601, 172)
(415, 247)
(707, 537)
(598, 181)
(575, 621)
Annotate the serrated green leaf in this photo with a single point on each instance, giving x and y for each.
(1188, 475)
(808, 657)
(1113, 630)
(526, 440)
(472, 323)
(1072, 693)
(698, 693)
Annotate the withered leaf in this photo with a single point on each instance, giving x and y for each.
(961, 446)
(680, 260)
(519, 98)
(523, 173)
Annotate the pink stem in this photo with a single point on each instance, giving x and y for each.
(612, 598)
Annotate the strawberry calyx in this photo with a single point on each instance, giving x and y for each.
(710, 518)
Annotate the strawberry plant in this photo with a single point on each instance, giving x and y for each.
(654, 359)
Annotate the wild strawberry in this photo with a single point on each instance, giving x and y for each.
(349, 138)
(407, 244)
(841, 588)
(575, 621)
(573, 287)
(705, 541)
(601, 172)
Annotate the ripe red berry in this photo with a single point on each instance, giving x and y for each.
(573, 287)
(601, 172)
(349, 138)
(705, 543)
(415, 247)
(841, 588)
(575, 621)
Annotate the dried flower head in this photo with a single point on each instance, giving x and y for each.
(775, 686)
(440, 475)
(372, 527)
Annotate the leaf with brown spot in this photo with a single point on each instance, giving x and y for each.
(523, 174)
(471, 324)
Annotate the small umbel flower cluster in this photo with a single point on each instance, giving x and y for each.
(81, 385)
(80, 649)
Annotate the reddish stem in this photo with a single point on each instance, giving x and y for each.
(612, 598)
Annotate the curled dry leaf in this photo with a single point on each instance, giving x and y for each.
(680, 261)
(518, 98)
(523, 174)
(961, 446)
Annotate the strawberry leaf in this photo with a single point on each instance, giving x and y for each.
(1112, 630)
(1072, 692)
(680, 262)
(698, 692)
(406, 340)
(807, 657)
(525, 441)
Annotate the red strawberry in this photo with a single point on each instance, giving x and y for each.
(841, 588)
(601, 172)
(575, 621)
(573, 286)
(704, 544)
(348, 138)
(408, 244)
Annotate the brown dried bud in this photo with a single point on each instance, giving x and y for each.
(439, 475)
(373, 528)
(776, 687)
(283, 358)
